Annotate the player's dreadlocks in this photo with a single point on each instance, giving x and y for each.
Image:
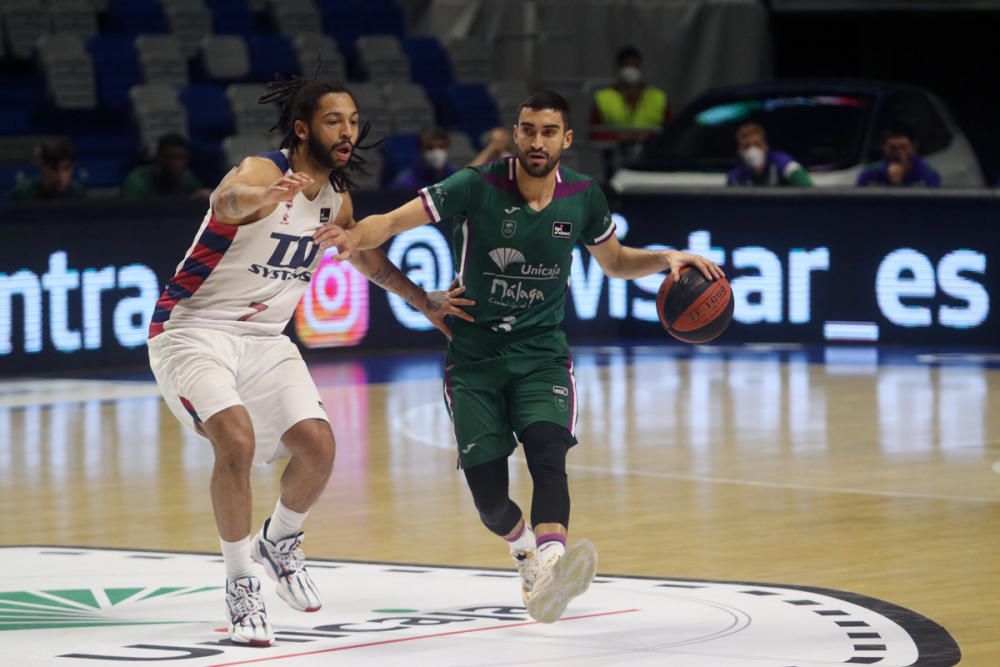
(298, 98)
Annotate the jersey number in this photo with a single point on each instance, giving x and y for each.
(257, 308)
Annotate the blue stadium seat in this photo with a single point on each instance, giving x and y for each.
(100, 172)
(10, 174)
(207, 161)
(430, 66)
(331, 5)
(137, 17)
(399, 151)
(24, 91)
(382, 17)
(346, 20)
(344, 23)
(474, 107)
(22, 95)
(209, 116)
(231, 17)
(271, 54)
(116, 66)
(118, 145)
(15, 121)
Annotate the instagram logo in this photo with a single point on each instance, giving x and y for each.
(334, 310)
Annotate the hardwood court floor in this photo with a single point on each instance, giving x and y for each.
(752, 465)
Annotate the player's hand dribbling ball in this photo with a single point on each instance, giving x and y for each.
(694, 309)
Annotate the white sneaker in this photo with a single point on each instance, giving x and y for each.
(285, 564)
(562, 579)
(529, 567)
(248, 622)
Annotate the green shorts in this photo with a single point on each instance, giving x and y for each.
(494, 391)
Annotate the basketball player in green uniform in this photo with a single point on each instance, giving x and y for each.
(509, 373)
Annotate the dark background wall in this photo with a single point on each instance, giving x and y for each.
(912, 268)
(955, 54)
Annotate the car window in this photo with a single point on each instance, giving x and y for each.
(822, 132)
(916, 109)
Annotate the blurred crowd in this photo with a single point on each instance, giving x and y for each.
(623, 118)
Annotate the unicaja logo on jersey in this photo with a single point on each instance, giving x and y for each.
(540, 271)
(504, 257)
(333, 311)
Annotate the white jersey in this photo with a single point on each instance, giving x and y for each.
(247, 279)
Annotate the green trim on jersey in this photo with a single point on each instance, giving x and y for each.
(515, 261)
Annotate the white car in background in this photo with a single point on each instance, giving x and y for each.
(833, 128)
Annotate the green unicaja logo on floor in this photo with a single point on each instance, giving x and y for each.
(82, 607)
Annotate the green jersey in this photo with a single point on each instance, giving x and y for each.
(515, 261)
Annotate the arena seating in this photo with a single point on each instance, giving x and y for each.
(114, 75)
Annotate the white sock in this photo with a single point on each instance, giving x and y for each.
(236, 556)
(551, 546)
(284, 522)
(523, 542)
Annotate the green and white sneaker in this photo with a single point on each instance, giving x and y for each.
(561, 580)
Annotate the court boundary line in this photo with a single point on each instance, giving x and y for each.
(409, 639)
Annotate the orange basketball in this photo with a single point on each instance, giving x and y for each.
(694, 309)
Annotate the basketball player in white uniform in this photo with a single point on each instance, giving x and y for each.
(220, 359)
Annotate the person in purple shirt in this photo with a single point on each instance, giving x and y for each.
(430, 165)
(900, 164)
(760, 166)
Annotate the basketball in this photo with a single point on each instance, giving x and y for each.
(694, 309)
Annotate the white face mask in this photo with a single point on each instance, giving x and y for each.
(630, 75)
(436, 158)
(754, 157)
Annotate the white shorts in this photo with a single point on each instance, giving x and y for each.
(201, 372)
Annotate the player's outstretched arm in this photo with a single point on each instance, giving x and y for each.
(618, 261)
(435, 305)
(252, 190)
(373, 231)
(375, 265)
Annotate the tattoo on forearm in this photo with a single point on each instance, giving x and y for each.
(232, 204)
(382, 275)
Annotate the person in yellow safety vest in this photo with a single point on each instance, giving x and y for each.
(627, 114)
(630, 103)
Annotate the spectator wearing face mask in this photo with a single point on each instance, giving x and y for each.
(761, 166)
(430, 165)
(900, 164)
(57, 159)
(630, 103)
(625, 115)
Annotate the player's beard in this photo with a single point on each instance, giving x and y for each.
(322, 155)
(538, 170)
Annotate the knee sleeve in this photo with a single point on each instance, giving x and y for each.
(488, 483)
(545, 447)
